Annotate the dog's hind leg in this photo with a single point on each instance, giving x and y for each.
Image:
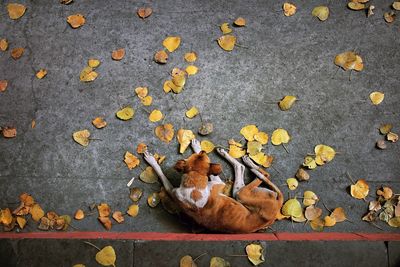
(157, 168)
(238, 169)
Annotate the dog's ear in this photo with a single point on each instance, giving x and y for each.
(215, 169)
(180, 165)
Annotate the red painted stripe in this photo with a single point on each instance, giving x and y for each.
(205, 237)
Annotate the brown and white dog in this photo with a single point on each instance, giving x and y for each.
(253, 208)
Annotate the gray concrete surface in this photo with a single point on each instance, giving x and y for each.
(283, 56)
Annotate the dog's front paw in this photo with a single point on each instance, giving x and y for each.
(149, 158)
(221, 151)
(196, 145)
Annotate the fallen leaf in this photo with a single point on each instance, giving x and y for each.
(88, 74)
(280, 136)
(155, 115)
(389, 16)
(227, 42)
(329, 221)
(225, 28)
(190, 57)
(187, 261)
(385, 128)
(169, 85)
(67, 2)
(93, 63)
(324, 154)
(396, 5)
(394, 222)
(349, 60)
(144, 12)
(118, 217)
(161, 57)
(292, 183)
(356, 6)
(192, 112)
(309, 162)
(317, 224)
(149, 176)
(6, 216)
(287, 102)
(339, 214)
(118, 54)
(240, 22)
(249, 131)
(3, 45)
(133, 210)
(165, 132)
(392, 137)
(178, 78)
(261, 137)
(76, 20)
(3, 85)
(374, 206)
(135, 194)
(36, 212)
(106, 256)
(106, 222)
(370, 11)
(292, 207)
(99, 122)
(289, 9)
(376, 97)
(104, 210)
(236, 152)
(385, 192)
(309, 198)
(207, 146)
(16, 53)
(21, 222)
(27, 199)
(184, 139)
(153, 199)
(191, 70)
(360, 189)
(147, 100)
(171, 43)
(125, 113)
(141, 148)
(44, 224)
(255, 253)
(9, 132)
(63, 222)
(81, 137)
(262, 159)
(206, 128)
(321, 12)
(312, 213)
(299, 219)
(79, 214)
(219, 262)
(131, 160)
(41, 74)
(253, 148)
(15, 11)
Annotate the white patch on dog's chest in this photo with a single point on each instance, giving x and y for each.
(184, 194)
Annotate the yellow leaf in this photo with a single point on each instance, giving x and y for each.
(178, 77)
(133, 210)
(396, 5)
(15, 11)
(104, 210)
(99, 122)
(76, 20)
(234, 143)
(165, 132)
(125, 113)
(147, 100)
(6, 216)
(323, 154)
(262, 159)
(106, 256)
(249, 131)
(349, 61)
(219, 262)
(88, 74)
(169, 85)
(360, 189)
(41, 73)
(118, 216)
(36, 212)
(292, 207)
(79, 265)
(309, 198)
(17, 52)
(317, 224)
(190, 57)
(253, 148)
(141, 92)
(141, 148)
(79, 214)
(329, 221)
(227, 42)
(309, 162)
(153, 199)
(93, 63)
(118, 54)
(355, 6)
(376, 97)
(3, 44)
(155, 115)
(287, 102)
(191, 70)
(236, 152)
(81, 137)
(289, 9)
(321, 12)
(131, 160)
(255, 253)
(225, 28)
(394, 222)
(280, 136)
(161, 57)
(21, 222)
(149, 176)
(171, 43)
(187, 261)
(261, 137)
(184, 138)
(385, 128)
(240, 22)
(192, 112)
(292, 183)
(207, 146)
(392, 137)
(338, 214)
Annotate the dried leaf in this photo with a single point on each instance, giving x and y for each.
(141, 148)
(356, 6)
(155, 115)
(79, 214)
(21, 222)
(385, 128)
(135, 194)
(15, 11)
(106, 222)
(287, 102)
(36, 212)
(76, 20)
(206, 128)
(88, 74)
(312, 213)
(133, 210)
(292, 207)
(374, 206)
(106, 256)
(192, 112)
(153, 199)
(261, 137)
(149, 176)
(292, 183)
(6, 216)
(118, 54)
(178, 78)
(329, 221)
(317, 224)
(225, 28)
(207, 146)
(376, 97)
(240, 22)
(394, 222)
(321, 12)
(236, 152)
(323, 154)
(349, 60)
(309, 162)
(44, 224)
(63, 222)
(131, 160)
(165, 132)
(370, 11)
(309, 198)
(253, 148)
(227, 42)
(147, 100)
(255, 254)
(190, 57)
(41, 74)
(249, 131)
(187, 261)
(392, 137)
(3, 85)
(93, 63)
(169, 85)
(161, 57)
(16, 53)
(396, 5)
(171, 43)
(360, 189)
(3, 45)
(191, 70)
(184, 139)
(144, 12)
(338, 214)
(280, 136)
(99, 122)
(219, 262)
(263, 159)
(81, 137)
(125, 113)
(289, 9)
(118, 217)
(389, 16)
(9, 132)
(385, 192)
(104, 210)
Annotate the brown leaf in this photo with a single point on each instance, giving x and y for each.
(3, 85)
(131, 160)
(135, 194)
(16, 53)
(161, 57)
(36, 212)
(144, 12)
(118, 54)
(106, 222)
(9, 132)
(104, 210)
(312, 212)
(117, 216)
(3, 45)
(15, 11)
(99, 122)
(76, 20)
(79, 214)
(165, 132)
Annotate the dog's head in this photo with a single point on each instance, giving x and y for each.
(199, 163)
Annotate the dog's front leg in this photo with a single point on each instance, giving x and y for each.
(157, 168)
(196, 146)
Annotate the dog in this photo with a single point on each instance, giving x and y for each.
(251, 208)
